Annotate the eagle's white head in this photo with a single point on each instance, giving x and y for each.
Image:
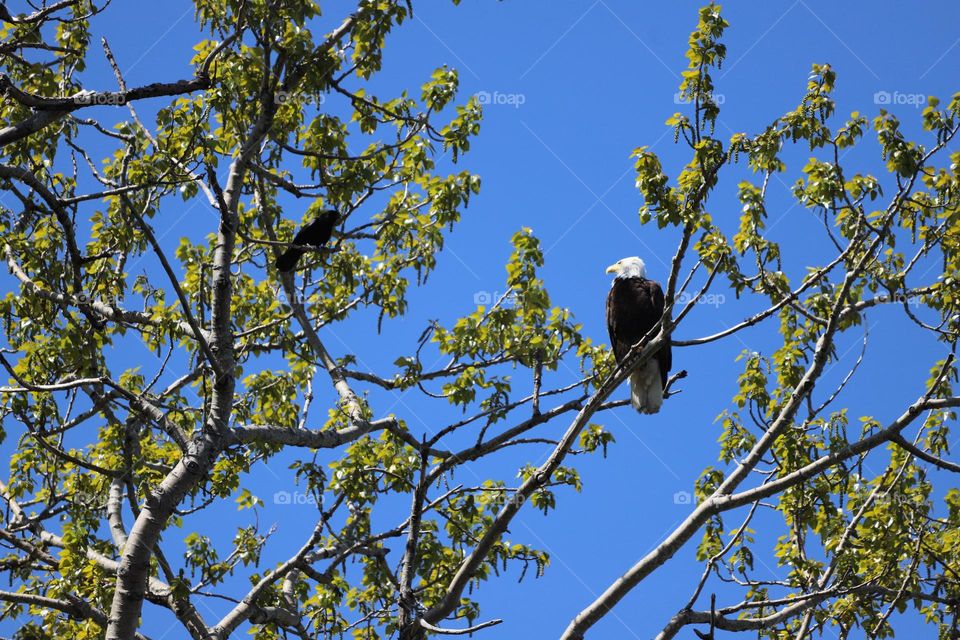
(632, 267)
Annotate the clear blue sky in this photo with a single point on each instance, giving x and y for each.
(574, 86)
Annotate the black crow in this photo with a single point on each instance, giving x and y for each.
(315, 233)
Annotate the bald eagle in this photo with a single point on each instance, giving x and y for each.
(315, 233)
(634, 306)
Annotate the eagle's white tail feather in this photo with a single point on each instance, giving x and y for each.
(646, 392)
(637, 391)
(654, 393)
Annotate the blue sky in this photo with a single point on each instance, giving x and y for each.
(572, 89)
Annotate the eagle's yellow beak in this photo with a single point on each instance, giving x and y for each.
(612, 268)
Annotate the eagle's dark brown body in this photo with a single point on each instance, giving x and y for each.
(634, 306)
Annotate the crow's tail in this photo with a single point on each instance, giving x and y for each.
(288, 260)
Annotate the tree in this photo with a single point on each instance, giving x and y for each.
(858, 546)
(279, 120)
(157, 440)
